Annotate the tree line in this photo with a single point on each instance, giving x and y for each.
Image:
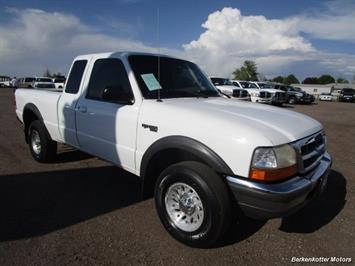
(249, 72)
(49, 74)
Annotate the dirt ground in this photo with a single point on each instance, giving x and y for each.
(83, 211)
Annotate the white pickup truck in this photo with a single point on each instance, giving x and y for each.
(261, 92)
(202, 156)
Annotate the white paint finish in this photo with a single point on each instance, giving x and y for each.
(326, 98)
(108, 131)
(228, 90)
(46, 102)
(231, 128)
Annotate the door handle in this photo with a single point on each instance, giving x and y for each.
(81, 109)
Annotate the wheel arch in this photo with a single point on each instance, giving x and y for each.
(169, 150)
(30, 114)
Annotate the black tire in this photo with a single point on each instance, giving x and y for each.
(48, 147)
(213, 193)
(292, 100)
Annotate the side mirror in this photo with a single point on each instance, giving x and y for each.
(117, 95)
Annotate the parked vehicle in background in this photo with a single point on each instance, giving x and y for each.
(347, 95)
(43, 79)
(226, 87)
(59, 82)
(26, 82)
(5, 81)
(201, 155)
(295, 95)
(261, 92)
(278, 97)
(44, 85)
(42, 82)
(326, 97)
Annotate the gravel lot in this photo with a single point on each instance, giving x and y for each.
(81, 210)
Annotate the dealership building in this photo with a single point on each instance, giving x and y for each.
(317, 89)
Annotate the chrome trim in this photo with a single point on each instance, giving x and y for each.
(318, 151)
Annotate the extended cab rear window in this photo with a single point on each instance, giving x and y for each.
(75, 76)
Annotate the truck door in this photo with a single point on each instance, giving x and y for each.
(67, 103)
(106, 116)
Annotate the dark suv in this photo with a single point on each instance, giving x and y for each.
(296, 95)
(347, 95)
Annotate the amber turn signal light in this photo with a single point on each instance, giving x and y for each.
(273, 174)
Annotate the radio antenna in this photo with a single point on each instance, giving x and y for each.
(158, 44)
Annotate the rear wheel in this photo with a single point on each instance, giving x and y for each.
(42, 147)
(193, 203)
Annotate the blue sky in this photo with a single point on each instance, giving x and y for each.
(303, 37)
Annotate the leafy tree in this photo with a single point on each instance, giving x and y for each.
(310, 80)
(341, 80)
(286, 80)
(278, 79)
(56, 75)
(290, 79)
(326, 79)
(49, 74)
(248, 71)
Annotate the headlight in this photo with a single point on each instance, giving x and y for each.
(274, 163)
(299, 94)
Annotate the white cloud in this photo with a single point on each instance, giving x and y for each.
(277, 45)
(35, 39)
(334, 22)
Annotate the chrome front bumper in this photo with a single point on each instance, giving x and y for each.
(265, 201)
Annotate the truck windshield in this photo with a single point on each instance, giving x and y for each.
(265, 86)
(59, 80)
(45, 86)
(29, 79)
(43, 80)
(173, 78)
(222, 81)
(247, 85)
(349, 91)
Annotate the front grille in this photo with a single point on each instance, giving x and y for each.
(240, 93)
(310, 150)
(264, 94)
(236, 93)
(280, 95)
(244, 94)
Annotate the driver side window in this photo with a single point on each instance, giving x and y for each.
(109, 77)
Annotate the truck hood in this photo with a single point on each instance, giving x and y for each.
(276, 124)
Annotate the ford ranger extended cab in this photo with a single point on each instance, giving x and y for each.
(201, 155)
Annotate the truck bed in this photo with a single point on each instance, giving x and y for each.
(46, 101)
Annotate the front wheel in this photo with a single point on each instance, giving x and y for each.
(193, 204)
(292, 100)
(42, 147)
